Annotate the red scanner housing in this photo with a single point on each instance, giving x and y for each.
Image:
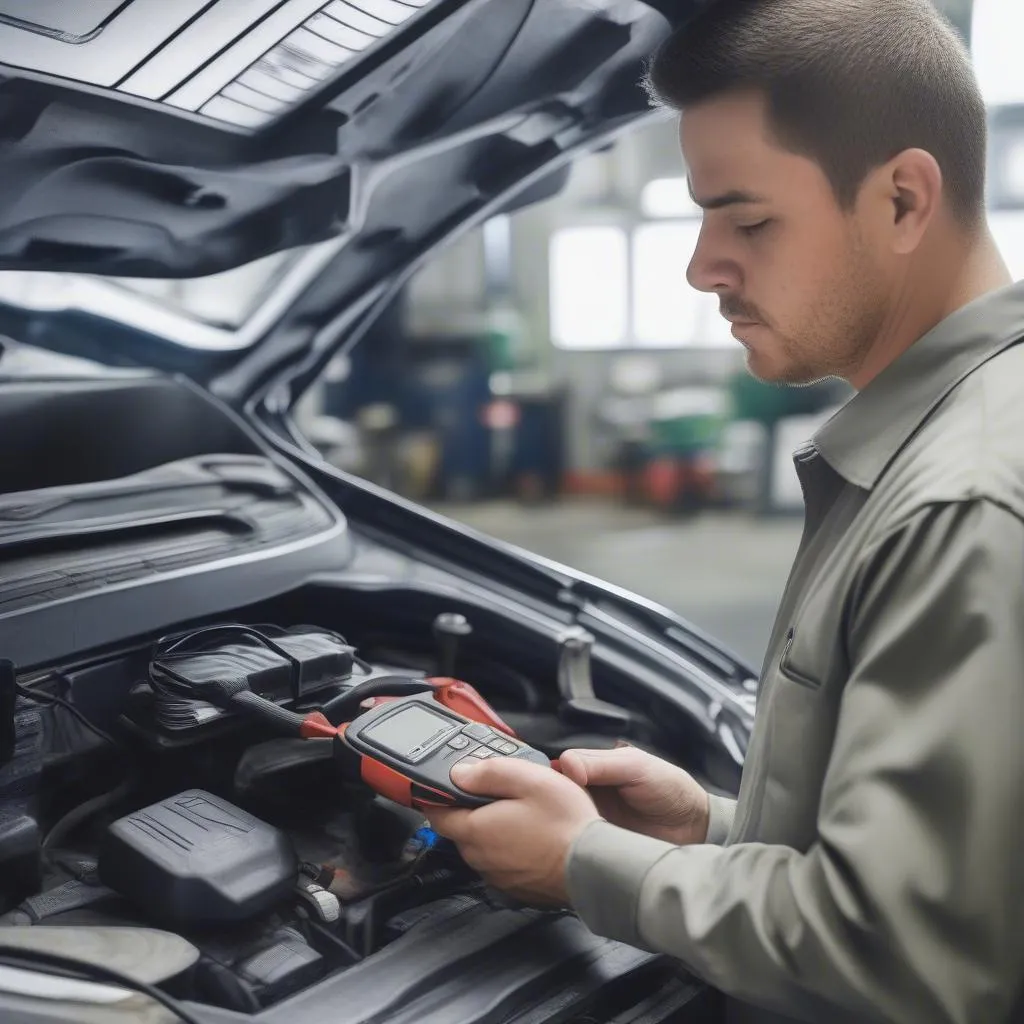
(458, 696)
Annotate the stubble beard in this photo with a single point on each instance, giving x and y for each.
(842, 330)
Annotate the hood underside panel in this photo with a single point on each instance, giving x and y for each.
(155, 139)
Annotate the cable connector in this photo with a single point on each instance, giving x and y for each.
(316, 902)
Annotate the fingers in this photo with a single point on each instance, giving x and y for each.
(450, 822)
(618, 767)
(504, 779)
(499, 777)
(573, 764)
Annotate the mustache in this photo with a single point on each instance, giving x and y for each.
(737, 309)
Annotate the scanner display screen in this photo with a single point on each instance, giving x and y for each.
(409, 732)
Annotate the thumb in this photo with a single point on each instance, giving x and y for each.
(498, 776)
(574, 766)
(617, 767)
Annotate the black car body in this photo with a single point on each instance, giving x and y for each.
(153, 482)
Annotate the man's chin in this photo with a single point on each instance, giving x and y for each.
(770, 371)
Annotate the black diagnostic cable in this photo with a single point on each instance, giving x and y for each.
(233, 693)
(183, 644)
(40, 697)
(346, 705)
(228, 692)
(77, 815)
(43, 962)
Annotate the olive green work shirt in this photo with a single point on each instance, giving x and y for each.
(873, 867)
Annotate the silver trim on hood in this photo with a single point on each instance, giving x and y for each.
(242, 63)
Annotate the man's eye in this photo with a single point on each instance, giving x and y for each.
(752, 229)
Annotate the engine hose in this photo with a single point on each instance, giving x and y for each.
(78, 815)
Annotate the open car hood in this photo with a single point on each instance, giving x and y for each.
(142, 138)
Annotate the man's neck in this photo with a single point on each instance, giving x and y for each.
(930, 300)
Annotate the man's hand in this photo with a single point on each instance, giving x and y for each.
(640, 792)
(520, 843)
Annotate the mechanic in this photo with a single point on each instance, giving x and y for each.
(873, 867)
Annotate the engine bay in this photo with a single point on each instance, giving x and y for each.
(132, 813)
(153, 825)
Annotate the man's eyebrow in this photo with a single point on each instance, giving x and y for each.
(733, 198)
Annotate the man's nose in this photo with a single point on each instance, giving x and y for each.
(708, 270)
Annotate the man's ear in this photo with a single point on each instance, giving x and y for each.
(912, 187)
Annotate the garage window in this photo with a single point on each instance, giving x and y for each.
(589, 269)
(616, 289)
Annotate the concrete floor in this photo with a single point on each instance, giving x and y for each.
(723, 572)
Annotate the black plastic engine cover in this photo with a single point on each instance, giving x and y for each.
(194, 859)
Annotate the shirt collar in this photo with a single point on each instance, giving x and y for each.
(865, 435)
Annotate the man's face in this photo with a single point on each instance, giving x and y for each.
(793, 271)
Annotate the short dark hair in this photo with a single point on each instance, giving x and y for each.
(848, 83)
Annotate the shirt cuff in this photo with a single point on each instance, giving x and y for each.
(605, 872)
(721, 813)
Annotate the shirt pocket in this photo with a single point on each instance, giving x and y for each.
(796, 663)
(798, 714)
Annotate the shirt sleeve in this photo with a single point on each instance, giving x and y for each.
(721, 813)
(909, 906)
